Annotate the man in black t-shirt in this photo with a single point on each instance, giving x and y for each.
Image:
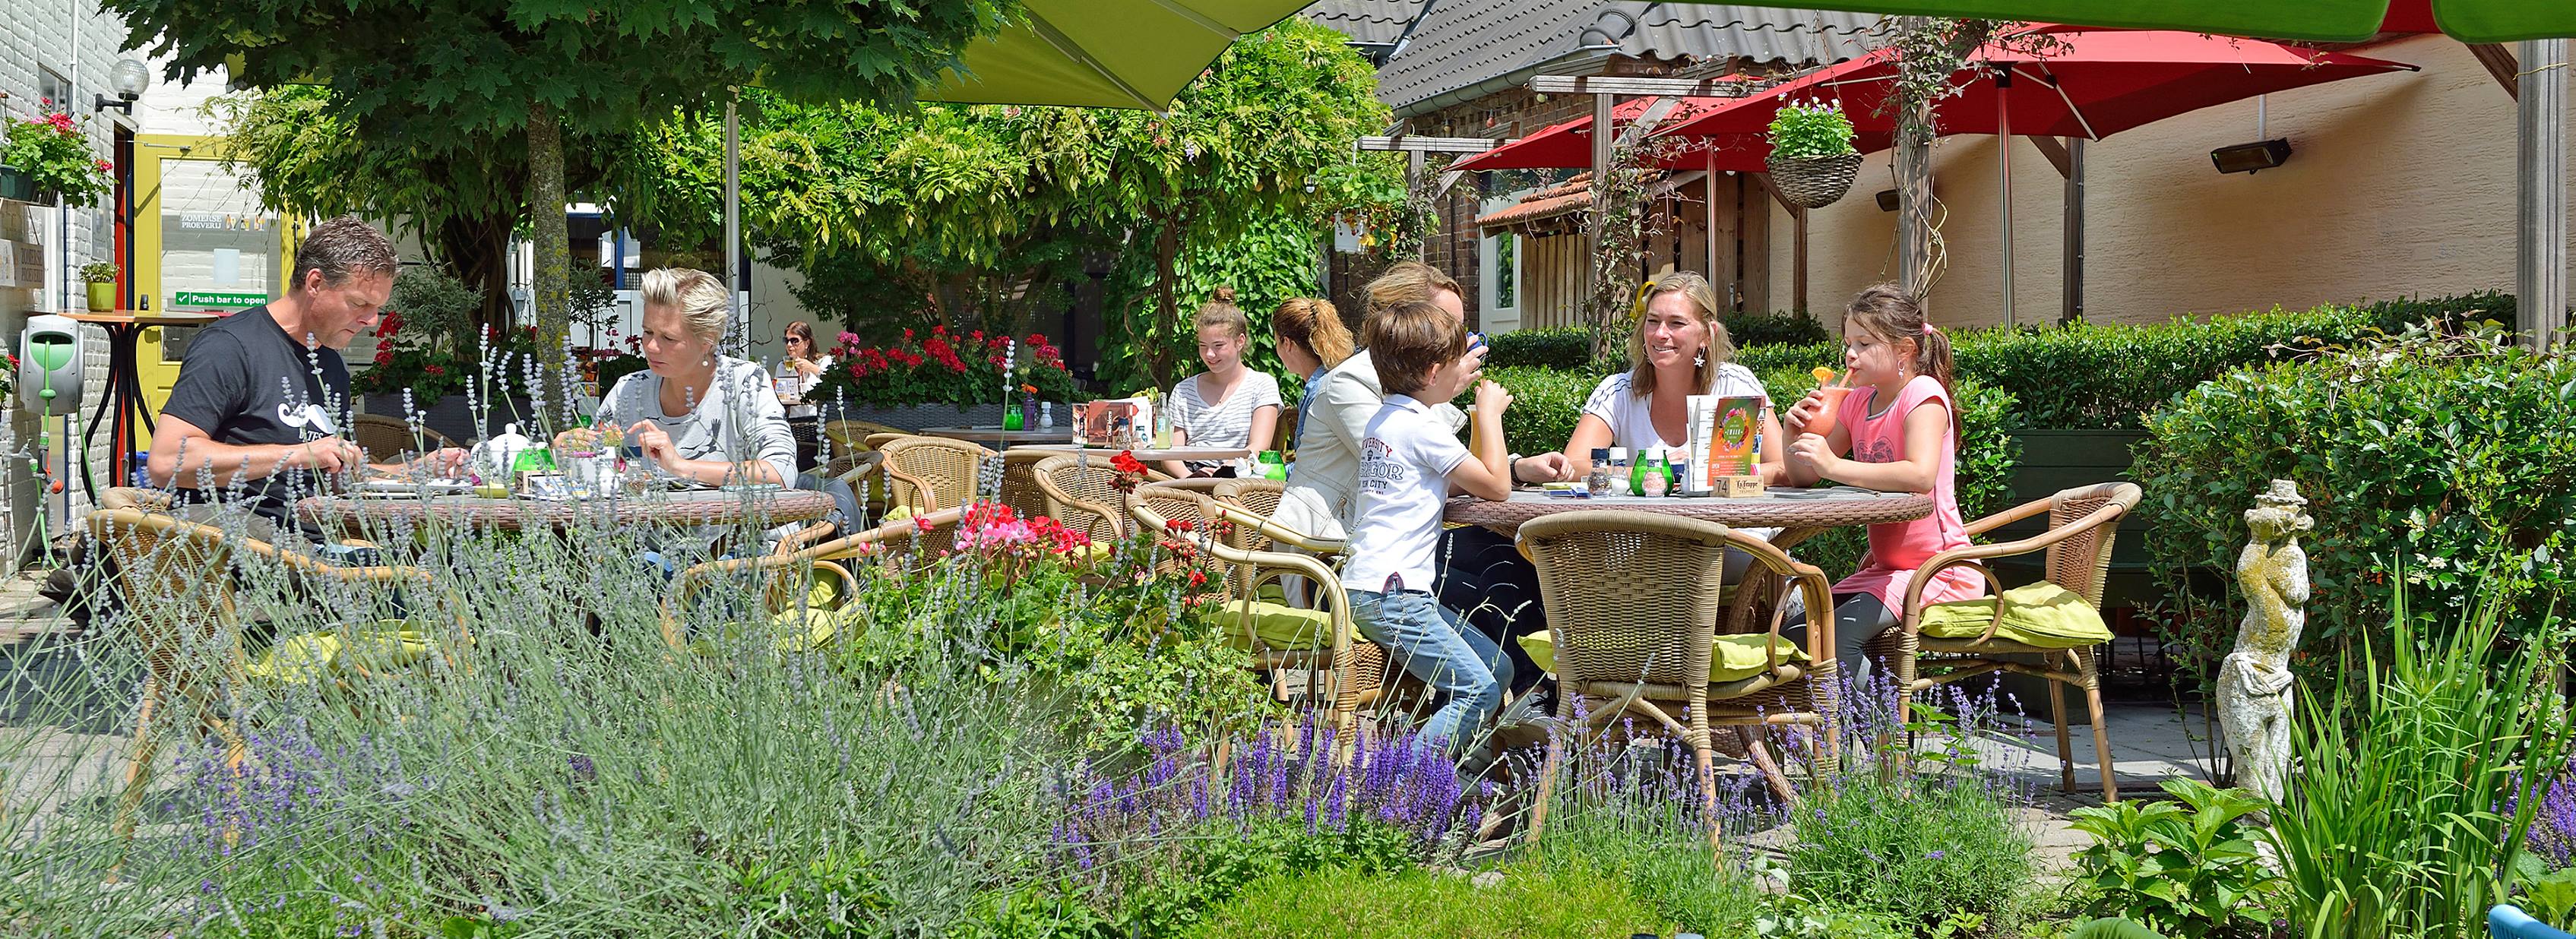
(262, 396)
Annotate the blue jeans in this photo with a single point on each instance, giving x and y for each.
(1465, 665)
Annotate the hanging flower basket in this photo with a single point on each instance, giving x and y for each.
(1812, 160)
(1815, 182)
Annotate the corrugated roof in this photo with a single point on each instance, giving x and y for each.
(1570, 196)
(1463, 43)
(1365, 21)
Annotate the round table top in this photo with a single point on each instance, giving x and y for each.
(1776, 508)
(769, 508)
(142, 318)
(1184, 454)
(1063, 435)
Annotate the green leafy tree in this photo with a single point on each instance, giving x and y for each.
(463, 204)
(451, 75)
(953, 208)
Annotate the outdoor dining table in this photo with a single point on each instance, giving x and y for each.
(766, 508)
(1798, 513)
(1007, 438)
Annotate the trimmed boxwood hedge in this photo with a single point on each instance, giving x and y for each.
(1570, 347)
(2107, 377)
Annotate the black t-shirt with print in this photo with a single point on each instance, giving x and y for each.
(246, 382)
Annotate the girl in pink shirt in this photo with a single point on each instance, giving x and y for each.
(1897, 431)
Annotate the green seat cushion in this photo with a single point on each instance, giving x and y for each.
(2042, 615)
(1731, 658)
(1282, 627)
(376, 647)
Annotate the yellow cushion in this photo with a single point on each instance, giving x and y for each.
(2042, 615)
(387, 644)
(1731, 658)
(1281, 626)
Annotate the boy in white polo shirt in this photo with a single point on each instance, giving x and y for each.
(1409, 459)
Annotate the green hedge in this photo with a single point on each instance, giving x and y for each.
(1570, 347)
(2093, 377)
(2445, 465)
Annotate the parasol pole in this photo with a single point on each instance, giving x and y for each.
(2003, 167)
(1711, 216)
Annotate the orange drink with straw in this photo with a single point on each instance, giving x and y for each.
(1825, 421)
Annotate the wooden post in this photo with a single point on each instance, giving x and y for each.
(2541, 168)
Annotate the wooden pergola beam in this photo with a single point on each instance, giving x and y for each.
(1639, 85)
(2052, 149)
(2501, 65)
(1408, 143)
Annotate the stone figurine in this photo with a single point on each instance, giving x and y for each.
(2254, 688)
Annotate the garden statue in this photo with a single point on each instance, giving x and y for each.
(2254, 696)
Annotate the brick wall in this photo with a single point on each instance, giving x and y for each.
(74, 40)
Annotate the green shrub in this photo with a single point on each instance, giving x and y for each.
(2446, 463)
(1568, 348)
(2416, 784)
(2187, 868)
(1530, 903)
(2089, 377)
(1920, 849)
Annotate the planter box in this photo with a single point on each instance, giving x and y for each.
(918, 416)
(450, 416)
(17, 185)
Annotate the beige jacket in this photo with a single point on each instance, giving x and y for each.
(1318, 499)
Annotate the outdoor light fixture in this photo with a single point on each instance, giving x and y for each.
(1887, 200)
(129, 78)
(2250, 157)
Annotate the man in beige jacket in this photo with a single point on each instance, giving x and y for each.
(1482, 573)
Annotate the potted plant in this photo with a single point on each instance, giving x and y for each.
(1812, 159)
(940, 378)
(54, 157)
(101, 278)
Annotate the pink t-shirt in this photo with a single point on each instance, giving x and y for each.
(1897, 548)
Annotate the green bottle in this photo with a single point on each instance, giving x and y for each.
(1012, 418)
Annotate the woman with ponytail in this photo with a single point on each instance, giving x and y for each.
(1897, 431)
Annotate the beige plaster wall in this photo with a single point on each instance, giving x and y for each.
(2398, 184)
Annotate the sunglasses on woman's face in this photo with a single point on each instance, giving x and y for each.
(795, 339)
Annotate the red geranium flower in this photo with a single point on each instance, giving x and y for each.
(1125, 462)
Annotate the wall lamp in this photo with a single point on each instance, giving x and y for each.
(128, 78)
(2251, 157)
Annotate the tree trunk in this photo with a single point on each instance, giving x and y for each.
(1167, 300)
(552, 286)
(478, 251)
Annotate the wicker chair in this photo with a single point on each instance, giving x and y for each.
(1082, 492)
(180, 594)
(387, 438)
(890, 547)
(851, 436)
(1020, 482)
(1327, 653)
(1633, 601)
(932, 473)
(2081, 525)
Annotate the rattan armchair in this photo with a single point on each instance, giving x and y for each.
(1633, 601)
(853, 435)
(181, 599)
(1020, 481)
(1082, 492)
(2082, 523)
(890, 546)
(387, 438)
(932, 473)
(1327, 655)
